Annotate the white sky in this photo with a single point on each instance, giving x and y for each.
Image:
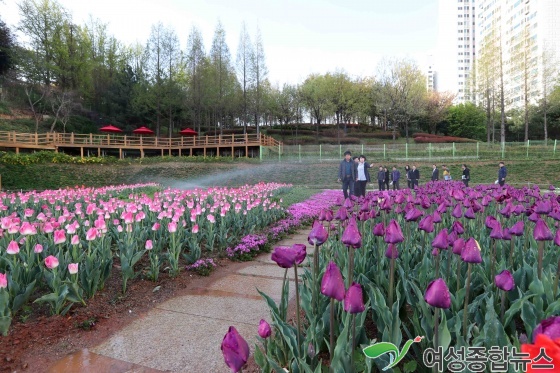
(299, 37)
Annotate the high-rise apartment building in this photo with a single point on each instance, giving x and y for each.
(466, 48)
(516, 40)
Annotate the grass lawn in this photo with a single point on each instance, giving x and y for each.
(308, 175)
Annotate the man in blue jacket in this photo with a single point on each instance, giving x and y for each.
(347, 174)
(502, 174)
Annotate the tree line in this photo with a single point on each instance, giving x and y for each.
(63, 69)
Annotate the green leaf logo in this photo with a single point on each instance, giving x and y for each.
(379, 349)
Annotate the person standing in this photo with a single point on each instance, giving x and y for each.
(396, 175)
(446, 174)
(407, 174)
(347, 174)
(466, 175)
(502, 174)
(435, 173)
(381, 178)
(362, 177)
(414, 176)
(387, 177)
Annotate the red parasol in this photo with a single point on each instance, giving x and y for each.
(188, 132)
(110, 128)
(143, 131)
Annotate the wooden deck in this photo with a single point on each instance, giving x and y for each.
(100, 144)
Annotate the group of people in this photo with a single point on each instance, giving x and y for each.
(354, 175)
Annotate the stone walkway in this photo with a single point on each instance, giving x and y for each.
(184, 334)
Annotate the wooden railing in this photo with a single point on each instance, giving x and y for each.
(135, 141)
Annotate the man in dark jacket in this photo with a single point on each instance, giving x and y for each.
(381, 178)
(395, 175)
(466, 175)
(502, 174)
(414, 176)
(387, 177)
(407, 171)
(347, 174)
(435, 173)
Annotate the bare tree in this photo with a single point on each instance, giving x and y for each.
(549, 74)
(244, 53)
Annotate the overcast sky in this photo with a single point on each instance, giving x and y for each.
(299, 37)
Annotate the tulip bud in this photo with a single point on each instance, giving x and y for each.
(149, 245)
(393, 232)
(353, 300)
(73, 268)
(440, 241)
(379, 230)
(504, 280)
(332, 284)
(471, 252)
(437, 294)
(392, 252)
(318, 234)
(264, 329)
(351, 236)
(3, 281)
(235, 350)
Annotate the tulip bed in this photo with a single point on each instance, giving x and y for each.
(443, 266)
(58, 247)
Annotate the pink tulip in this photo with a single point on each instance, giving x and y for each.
(91, 234)
(51, 262)
(59, 236)
(149, 245)
(75, 240)
(195, 229)
(27, 229)
(13, 248)
(3, 281)
(72, 268)
(211, 218)
(172, 227)
(38, 249)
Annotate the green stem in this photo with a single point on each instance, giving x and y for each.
(391, 283)
(449, 258)
(436, 328)
(556, 280)
(503, 307)
(353, 339)
(437, 263)
(511, 248)
(282, 297)
(493, 260)
(331, 346)
(350, 266)
(297, 312)
(540, 259)
(315, 277)
(467, 302)
(458, 274)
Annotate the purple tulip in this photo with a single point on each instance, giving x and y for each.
(469, 214)
(332, 284)
(490, 222)
(437, 217)
(413, 214)
(341, 214)
(442, 208)
(476, 206)
(348, 204)
(379, 230)
(392, 252)
(264, 329)
(458, 227)
(506, 235)
(363, 215)
(471, 252)
(458, 246)
(458, 194)
(235, 350)
(504, 280)
(318, 234)
(354, 300)
(551, 188)
(518, 210)
(457, 211)
(437, 294)
(496, 232)
(287, 257)
(440, 241)
(393, 232)
(435, 251)
(351, 236)
(557, 238)
(518, 228)
(549, 327)
(541, 231)
(426, 224)
(555, 214)
(543, 207)
(322, 215)
(534, 217)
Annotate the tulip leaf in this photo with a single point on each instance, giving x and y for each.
(552, 309)
(528, 315)
(21, 299)
(443, 331)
